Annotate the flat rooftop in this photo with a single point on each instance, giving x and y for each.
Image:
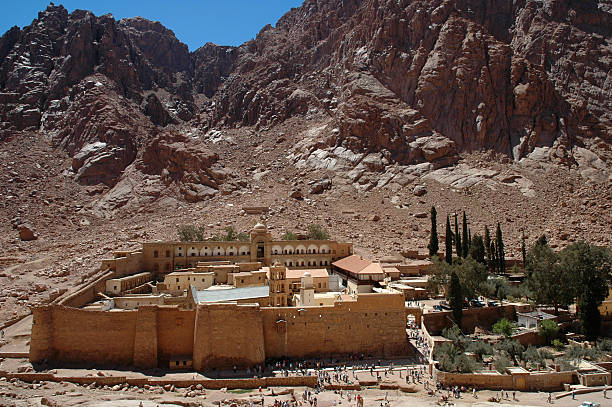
(232, 294)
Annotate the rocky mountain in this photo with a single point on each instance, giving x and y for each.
(392, 82)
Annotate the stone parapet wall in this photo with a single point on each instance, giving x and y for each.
(213, 384)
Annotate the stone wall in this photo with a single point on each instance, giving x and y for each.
(373, 325)
(219, 335)
(484, 317)
(534, 381)
(228, 335)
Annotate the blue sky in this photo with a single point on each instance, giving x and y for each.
(193, 22)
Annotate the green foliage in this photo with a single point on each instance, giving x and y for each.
(190, 233)
(317, 232)
(557, 344)
(500, 255)
(477, 249)
(523, 247)
(230, 236)
(549, 330)
(605, 345)
(588, 269)
(458, 247)
(479, 348)
(471, 275)
(455, 298)
(288, 235)
(504, 327)
(532, 356)
(512, 348)
(465, 244)
(502, 363)
(448, 242)
(545, 354)
(433, 245)
(487, 245)
(548, 282)
(452, 359)
(496, 287)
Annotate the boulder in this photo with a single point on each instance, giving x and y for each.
(26, 232)
(419, 190)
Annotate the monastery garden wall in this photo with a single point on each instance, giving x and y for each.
(534, 381)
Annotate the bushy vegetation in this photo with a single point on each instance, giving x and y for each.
(317, 232)
(190, 233)
(230, 236)
(504, 327)
(549, 330)
(288, 235)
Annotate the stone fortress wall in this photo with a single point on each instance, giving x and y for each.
(219, 335)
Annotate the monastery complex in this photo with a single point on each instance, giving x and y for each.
(208, 305)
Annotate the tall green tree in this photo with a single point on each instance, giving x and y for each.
(433, 245)
(493, 251)
(487, 244)
(455, 298)
(458, 247)
(466, 240)
(477, 249)
(523, 248)
(501, 256)
(547, 281)
(589, 268)
(448, 240)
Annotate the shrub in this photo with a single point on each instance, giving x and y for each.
(479, 348)
(549, 330)
(190, 233)
(504, 327)
(557, 344)
(531, 355)
(512, 348)
(289, 236)
(451, 359)
(501, 364)
(317, 232)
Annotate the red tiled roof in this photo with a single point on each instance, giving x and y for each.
(352, 264)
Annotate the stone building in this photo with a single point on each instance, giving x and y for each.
(165, 257)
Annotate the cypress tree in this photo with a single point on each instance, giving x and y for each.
(466, 241)
(487, 244)
(433, 237)
(449, 242)
(455, 298)
(523, 248)
(493, 257)
(501, 256)
(457, 238)
(477, 249)
(588, 313)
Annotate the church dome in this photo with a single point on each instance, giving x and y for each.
(260, 227)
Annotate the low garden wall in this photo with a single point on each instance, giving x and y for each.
(528, 381)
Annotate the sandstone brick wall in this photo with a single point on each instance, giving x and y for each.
(219, 335)
(101, 338)
(227, 335)
(174, 333)
(374, 325)
(87, 293)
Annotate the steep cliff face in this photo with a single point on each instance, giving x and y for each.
(485, 74)
(403, 81)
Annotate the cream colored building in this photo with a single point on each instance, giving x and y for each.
(605, 309)
(117, 286)
(182, 280)
(248, 278)
(165, 257)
